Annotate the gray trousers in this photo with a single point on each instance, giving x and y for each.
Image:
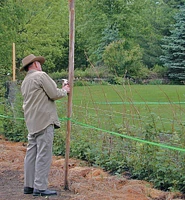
(38, 158)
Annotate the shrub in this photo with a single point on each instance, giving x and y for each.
(155, 82)
(120, 81)
(59, 75)
(59, 143)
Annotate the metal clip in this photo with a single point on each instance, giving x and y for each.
(65, 82)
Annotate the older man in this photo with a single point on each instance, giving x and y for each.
(39, 93)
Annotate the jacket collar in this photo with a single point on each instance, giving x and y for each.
(31, 71)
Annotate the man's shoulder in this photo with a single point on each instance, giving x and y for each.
(44, 75)
(38, 74)
(34, 75)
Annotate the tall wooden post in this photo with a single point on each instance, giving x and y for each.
(13, 62)
(71, 77)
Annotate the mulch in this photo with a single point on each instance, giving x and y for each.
(85, 183)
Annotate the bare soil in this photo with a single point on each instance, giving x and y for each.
(85, 183)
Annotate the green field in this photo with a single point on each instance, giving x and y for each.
(130, 106)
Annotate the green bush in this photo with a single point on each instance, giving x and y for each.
(59, 143)
(120, 81)
(59, 75)
(82, 83)
(156, 82)
(123, 57)
(14, 130)
(95, 72)
(160, 70)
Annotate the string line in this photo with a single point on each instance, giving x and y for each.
(111, 132)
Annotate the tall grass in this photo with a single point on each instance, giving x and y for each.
(134, 105)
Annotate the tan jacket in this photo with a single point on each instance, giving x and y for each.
(39, 92)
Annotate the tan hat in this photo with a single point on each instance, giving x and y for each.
(31, 58)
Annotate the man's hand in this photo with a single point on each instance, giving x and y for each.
(67, 88)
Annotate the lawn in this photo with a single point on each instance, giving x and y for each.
(130, 106)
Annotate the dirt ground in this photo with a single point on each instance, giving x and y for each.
(85, 183)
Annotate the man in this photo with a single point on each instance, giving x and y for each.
(39, 93)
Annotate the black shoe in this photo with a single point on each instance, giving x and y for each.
(28, 190)
(37, 192)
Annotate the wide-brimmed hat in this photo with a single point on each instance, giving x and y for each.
(31, 58)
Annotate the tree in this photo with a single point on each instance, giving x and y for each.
(36, 26)
(174, 49)
(144, 22)
(97, 25)
(123, 58)
(41, 27)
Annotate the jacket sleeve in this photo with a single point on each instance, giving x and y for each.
(50, 87)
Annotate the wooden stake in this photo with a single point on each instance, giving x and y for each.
(14, 65)
(70, 78)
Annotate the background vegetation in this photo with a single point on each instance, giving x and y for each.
(126, 38)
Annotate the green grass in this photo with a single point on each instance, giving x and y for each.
(131, 106)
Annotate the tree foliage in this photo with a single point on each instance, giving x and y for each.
(174, 49)
(38, 27)
(42, 27)
(123, 58)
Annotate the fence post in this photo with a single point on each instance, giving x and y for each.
(13, 59)
(71, 77)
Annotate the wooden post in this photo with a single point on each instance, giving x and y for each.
(70, 78)
(13, 59)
